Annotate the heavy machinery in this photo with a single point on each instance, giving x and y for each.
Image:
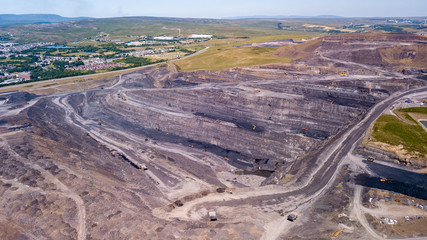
(223, 190)
(142, 166)
(337, 233)
(292, 217)
(212, 215)
(370, 158)
(387, 180)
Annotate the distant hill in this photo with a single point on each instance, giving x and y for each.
(7, 20)
(284, 17)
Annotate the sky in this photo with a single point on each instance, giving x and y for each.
(216, 8)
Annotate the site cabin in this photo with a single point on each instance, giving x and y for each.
(292, 217)
(212, 215)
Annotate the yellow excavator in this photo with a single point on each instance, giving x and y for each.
(387, 180)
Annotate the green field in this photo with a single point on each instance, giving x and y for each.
(422, 110)
(390, 129)
(218, 59)
(127, 29)
(224, 53)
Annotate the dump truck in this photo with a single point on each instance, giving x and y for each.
(292, 217)
(337, 233)
(212, 215)
(222, 190)
(142, 166)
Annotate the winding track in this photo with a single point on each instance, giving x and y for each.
(319, 171)
(63, 190)
(314, 181)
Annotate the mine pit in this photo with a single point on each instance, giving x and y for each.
(176, 152)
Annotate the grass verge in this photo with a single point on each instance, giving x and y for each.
(390, 129)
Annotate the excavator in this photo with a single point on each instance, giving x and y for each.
(387, 180)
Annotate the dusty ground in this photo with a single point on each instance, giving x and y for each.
(72, 164)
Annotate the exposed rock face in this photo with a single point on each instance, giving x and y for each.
(381, 50)
(71, 165)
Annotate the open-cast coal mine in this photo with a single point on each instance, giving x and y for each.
(158, 154)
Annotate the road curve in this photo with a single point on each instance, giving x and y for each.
(319, 173)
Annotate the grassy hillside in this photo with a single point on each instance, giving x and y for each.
(225, 53)
(136, 26)
(7, 20)
(299, 51)
(217, 59)
(390, 129)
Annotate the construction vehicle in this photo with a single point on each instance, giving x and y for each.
(257, 90)
(370, 158)
(344, 75)
(336, 233)
(142, 166)
(292, 217)
(253, 127)
(385, 180)
(212, 215)
(230, 191)
(226, 158)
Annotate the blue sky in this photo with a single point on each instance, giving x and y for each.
(217, 8)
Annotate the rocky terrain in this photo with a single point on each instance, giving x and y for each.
(143, 155)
